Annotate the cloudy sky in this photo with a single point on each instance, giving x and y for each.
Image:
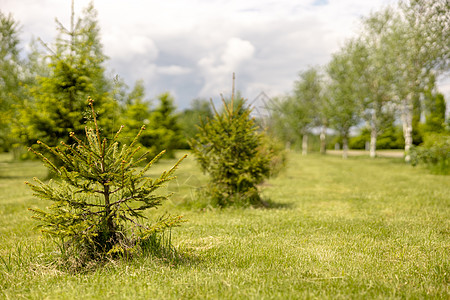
(192, 47)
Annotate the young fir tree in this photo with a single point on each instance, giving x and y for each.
(56, 103)
(164, 131)
(99, 199)
(136, 111)
(229, 148)
(11, 90)
(199, 111)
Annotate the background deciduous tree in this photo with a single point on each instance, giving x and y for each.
(304, 105)
(376, 74)
(420, 43)
(344, 99)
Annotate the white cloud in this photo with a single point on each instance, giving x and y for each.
(216, 67)
(236, 51)
(192, 47)
(121, 46)
(173, 70)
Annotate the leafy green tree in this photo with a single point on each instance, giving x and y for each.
(99, 202)
(344, 92)
(11, 90)
(229, 148)
(420, 45)
(305, 103)
(416, 133)
(433, 153)
(278, 124)
(292, 116)
(56, 103)
(323, 113)
(390, 138)
(435, 112)
(376, 74)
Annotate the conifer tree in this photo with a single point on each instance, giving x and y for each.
(55, 105)
(100, 198)
(229, 148)
(10, 77)
(136, 110)
(191, 117)
(164, 131)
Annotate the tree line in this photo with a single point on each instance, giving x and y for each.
(43, 96)
(384, 76)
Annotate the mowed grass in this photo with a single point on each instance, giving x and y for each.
(355, 228)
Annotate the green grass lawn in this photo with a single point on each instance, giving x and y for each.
(355, 228)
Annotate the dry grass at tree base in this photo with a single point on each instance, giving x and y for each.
(356, 228)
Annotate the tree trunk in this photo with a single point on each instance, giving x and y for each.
(287, 146)
(373, 136)
(344, 147)
(323, 143)
(407, 125)
(373, 143)
(108, 216)
(305, 144)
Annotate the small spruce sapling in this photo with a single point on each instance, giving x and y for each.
(230, 148)
(99, 197)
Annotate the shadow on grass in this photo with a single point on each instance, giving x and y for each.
(204, 207)
(6, 177)
(270, 204)
(61, 264)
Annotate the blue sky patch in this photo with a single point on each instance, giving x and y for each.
(320, 2)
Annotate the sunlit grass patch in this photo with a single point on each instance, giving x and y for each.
(355, 228)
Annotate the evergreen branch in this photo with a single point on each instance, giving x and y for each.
(93, 141)
(132, 154)
(116, 190)
(65, 157)
(103, 148)
(134, 222)
(67, 177)
(76, 204)
(45, 159)
(142, 158)
(47, 47)
(74, 152)
(118, 132)
(133, 212)
(118, 202)
(91, 104)
(137, 136)
(156, 158)
(226, 107)
(51, 149)
(98, 212)
(176, 165)
(83, 145)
